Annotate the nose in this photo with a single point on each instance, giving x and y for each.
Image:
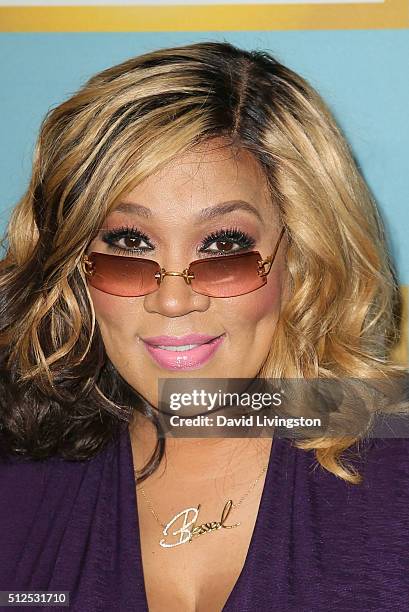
(175, 298)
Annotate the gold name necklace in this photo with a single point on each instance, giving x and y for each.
(189, 529)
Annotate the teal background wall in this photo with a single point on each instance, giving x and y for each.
(362, 74)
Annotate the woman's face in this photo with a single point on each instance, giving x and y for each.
(162, 217)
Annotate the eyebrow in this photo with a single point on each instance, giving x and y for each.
(211, 212)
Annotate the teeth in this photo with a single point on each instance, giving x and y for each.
(185, 347)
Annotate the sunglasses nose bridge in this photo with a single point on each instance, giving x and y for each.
(185, 275)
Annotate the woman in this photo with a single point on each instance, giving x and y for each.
(208, 154)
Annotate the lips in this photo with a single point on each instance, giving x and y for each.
(187, 352)
(188, 339)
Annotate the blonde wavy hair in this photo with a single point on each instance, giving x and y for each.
(342, 315)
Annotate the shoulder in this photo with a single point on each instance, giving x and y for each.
(36, 489)
(352, 537)
(26, 485)
(26, 503)
(386, 453)
(382, 463)
(375, 509)
(53, 507)
(382, 494)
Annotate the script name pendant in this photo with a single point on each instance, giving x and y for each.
(190, 530)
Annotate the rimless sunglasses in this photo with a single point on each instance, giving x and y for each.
(222, 276)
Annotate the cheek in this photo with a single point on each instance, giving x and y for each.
(261, 305)
(113, 312)
(267, 302)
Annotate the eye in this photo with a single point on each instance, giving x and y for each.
(227, 241)
(131, 239)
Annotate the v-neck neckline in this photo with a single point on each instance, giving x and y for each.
(254, 540)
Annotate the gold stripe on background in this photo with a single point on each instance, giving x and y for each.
(401, 352)
(194, 18)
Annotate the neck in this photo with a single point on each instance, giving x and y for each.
(198, 459)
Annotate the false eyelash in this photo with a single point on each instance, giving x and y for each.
(232, 234)
(125, 231)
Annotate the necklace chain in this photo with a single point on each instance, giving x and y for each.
(234, 506)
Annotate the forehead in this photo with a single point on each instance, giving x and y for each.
(209, 174)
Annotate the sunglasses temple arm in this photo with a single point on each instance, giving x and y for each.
(269, 260)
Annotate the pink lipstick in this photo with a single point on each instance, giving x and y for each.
(187, 352)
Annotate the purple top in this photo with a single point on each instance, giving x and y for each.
(319, 543)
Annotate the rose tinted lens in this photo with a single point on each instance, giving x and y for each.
(124, 276)
(227, 275)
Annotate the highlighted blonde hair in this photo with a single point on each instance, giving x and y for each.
(59, 391)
